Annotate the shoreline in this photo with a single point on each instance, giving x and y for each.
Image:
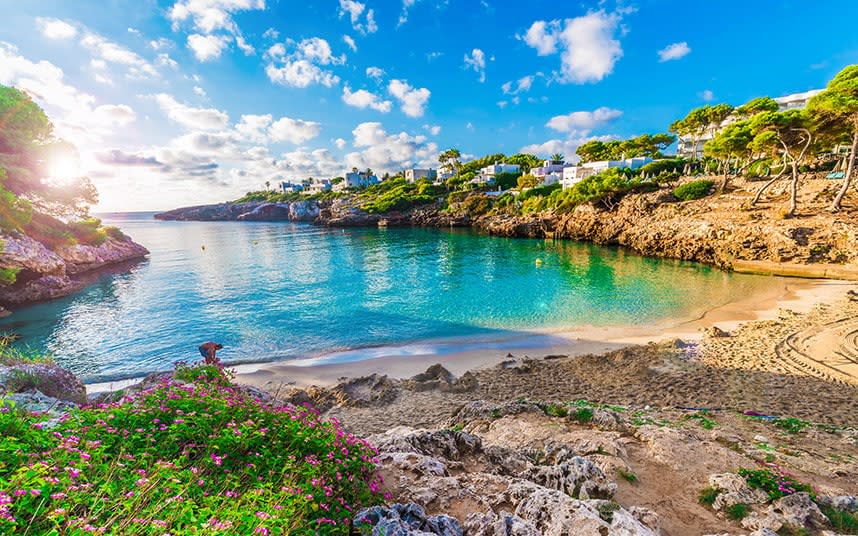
(800, 296)
(460, 355)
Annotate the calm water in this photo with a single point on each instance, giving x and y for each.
(286, 291)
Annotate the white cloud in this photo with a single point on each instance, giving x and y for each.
(189, 117)
(200, 91)
(385, 152)
(110, 52)
(403, 16)
(350, 42)
(543, 36)
(470, 126)
(161, 44)
(244, 46)
(707, 95)
(522, 85)
(271, 33)
(502, 104)
(674, 52)
(302, 163)
(295, 131)
(302, 68)
(75, 114)
(583, 121)
(477, 61)
(254, 128)
(433, 129)
(211, 15)
(55, 28)
(412, 100)
(301, 73)
(165, 60)
(375, 72)
(587, 44)
(340, 143)
(355, 10)
(365, 99)
(207, 47)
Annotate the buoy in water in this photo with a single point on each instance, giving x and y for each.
(255, 242)
(539, 262)
(203, 247)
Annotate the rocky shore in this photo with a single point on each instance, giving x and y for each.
(45, 274)
(721, 230)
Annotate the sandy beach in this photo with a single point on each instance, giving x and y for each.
(799, 295)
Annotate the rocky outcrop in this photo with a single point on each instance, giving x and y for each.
(307, 211)
(45, 274)
(48, 379)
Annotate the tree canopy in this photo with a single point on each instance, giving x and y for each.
(650, 145)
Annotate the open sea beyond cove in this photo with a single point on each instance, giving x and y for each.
(286, 291)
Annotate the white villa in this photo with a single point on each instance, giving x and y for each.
(572, 175)
(289, 187)
(488, 173)
(415, 174)
(686, 149)
(355, 179)
(445, 172)
(551, 172)
(318, 186)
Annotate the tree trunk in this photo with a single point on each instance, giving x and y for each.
(847, 177)
(768, 184)
(793, 190)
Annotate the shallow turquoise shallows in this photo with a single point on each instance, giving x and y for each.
(279, 291)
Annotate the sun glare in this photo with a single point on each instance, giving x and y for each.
(64, 167)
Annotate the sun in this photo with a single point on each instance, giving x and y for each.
(64, 167)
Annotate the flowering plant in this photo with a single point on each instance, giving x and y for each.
(183, 458)
(774, 481)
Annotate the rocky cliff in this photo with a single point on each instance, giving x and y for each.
(718, 230)
(45, 274)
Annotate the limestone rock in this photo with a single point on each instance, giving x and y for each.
(405, 520)
(503, 524)
(578, 477)
(447, 444)
(797, 510)
(49, 379)
(734, 490)
(438, 377)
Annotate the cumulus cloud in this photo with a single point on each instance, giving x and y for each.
(108, 51)
(522, 85)
(295, 131)
(340, 143)
(412, 100)
(302, 68)
(584, 121)
(565, 147)
(208, 16)
(207, 47)
(432, 129)
(674, 52)
(189, 117)
(55, 28)
(347, 39)
(587, 44)
(76, 114)
(403, 16)
(477, 61)
(375, 72)
(385, 152)
(707, 95)
(362, 19)
(365, 99)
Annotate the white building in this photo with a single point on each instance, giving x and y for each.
(687, 149)
(572, 175)
(444, 172)
(318, 186)
(551, 172)
(487, 174)
(356, 179)
(289, 187)
(415, 174)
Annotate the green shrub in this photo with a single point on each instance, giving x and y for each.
(8, 276)
(708, 495)
(15, 213)
(11, 355)
(116, 233)
(582, 415)
(737, 511)
(791, 424)
(477, 205)
(842, 521)
(555, 410)
(397, 195)
(774, 482)
(628, 476)
(183, 459)
(693, 190)
(88, 231)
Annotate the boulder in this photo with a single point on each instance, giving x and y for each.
(734, 490)
(405, 520)
(503, 524)
(438, 377)
(796, 511)
(578, 477)
(446, 444)
(267, 212)
(48, 379)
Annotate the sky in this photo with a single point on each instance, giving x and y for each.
(179, 102)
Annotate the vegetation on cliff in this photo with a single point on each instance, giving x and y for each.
(33, 201)
(193, 454)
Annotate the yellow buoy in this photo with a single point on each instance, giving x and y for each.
(255, 242)
(539, 262)
(203, 247)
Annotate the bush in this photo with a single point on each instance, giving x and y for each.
(737, 511)
(582, 415)
(774, 482)
(183, 459)
(842, 521)
(708, 495)
(477, 205)
(116, 234)
(397, 194)
(8, 276)
(88, 231)
(693, 190)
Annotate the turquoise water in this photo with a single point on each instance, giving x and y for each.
(280, 291)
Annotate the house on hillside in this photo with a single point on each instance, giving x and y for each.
(487, 174)
(550, 172)
(318, 186)
(289, 187)
(572, 175)
(356, 180)
(415, 174)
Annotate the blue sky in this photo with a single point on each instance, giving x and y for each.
(172, 102)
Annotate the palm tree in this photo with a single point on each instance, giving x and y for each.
(557, 157)
(267, 185)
